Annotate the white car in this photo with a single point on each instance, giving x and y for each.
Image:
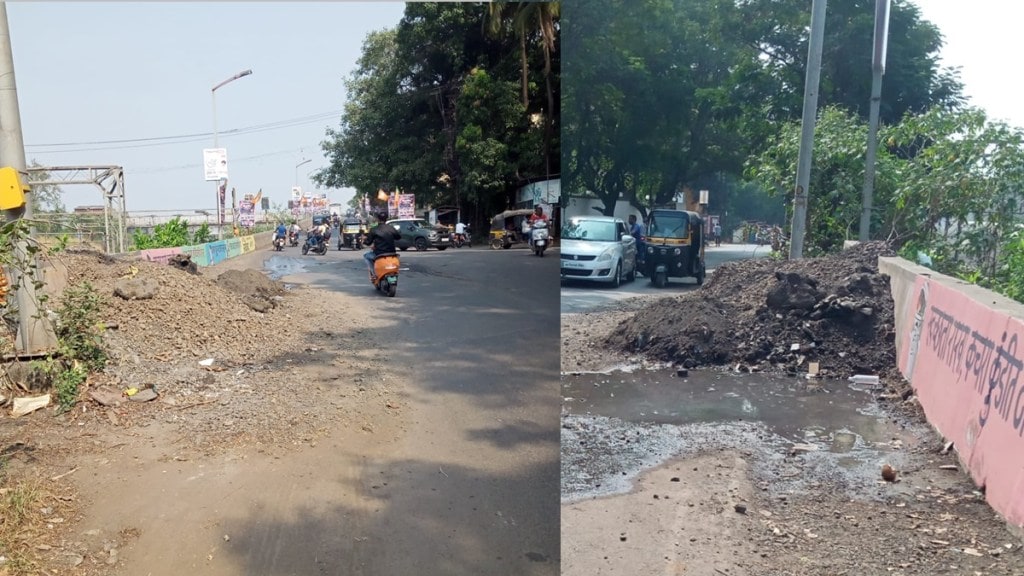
(598, 248)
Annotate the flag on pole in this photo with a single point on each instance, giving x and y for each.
(256, 200)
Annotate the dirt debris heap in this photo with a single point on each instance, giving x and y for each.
(776, 316)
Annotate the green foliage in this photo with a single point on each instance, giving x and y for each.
(434, 106)
(202, 235)
(171, 234)
(79, 344)
(665, 95)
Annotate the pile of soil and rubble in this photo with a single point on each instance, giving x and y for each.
(772, 316)
(156, 311)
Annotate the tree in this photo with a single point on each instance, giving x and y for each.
(429, 113)
(667, 93)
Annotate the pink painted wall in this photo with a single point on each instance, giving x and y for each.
(161, 255)
(964, 357)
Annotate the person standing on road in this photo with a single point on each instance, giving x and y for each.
(381, 238)
(636, 230)
(718, 234)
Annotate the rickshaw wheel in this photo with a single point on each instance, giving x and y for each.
(496, 243)
(700, 274)
(660, 279)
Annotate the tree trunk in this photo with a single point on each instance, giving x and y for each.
(524, 70)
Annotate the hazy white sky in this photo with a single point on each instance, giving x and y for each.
(983, 37)
(90, 72)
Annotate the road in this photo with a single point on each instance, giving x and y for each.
(472, 486)
(447, 463)
(580, 296)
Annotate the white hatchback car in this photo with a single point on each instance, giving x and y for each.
(598, 248)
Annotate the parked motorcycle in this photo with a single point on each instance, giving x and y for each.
(385, 274)
(317, 246)
(539, 237)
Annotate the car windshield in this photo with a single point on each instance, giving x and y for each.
(592, 230)
(669, 225)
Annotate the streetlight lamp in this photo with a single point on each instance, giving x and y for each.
(213, 97)
(297, 169)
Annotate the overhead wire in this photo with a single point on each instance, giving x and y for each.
(134, 143)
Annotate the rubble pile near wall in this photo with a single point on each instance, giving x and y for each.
(776, 316)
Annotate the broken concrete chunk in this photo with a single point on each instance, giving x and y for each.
(136, 288)
(23, 406)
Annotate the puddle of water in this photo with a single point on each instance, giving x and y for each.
(828, 414)
(630, 421)
(278, 267)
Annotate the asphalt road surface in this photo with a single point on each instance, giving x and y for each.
(472, 485)
(579, 296)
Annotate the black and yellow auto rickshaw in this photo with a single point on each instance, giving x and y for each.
(350, 234)
(503, 230)
(674, 246)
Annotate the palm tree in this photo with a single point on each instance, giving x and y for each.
(527, 18)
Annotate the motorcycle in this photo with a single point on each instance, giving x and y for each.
(279, 243)
(385, 274)
(539, 237)
(460, 240)
(293, 239)
(318, 247)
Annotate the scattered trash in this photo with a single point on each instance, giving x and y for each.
(948, 446)
(740, 508)
(23, 406)
(131, 392)
(949, 467)
(207, 362)
(682, 373)
(864, 379)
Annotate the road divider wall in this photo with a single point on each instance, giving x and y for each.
(958, 346)
(207, 254)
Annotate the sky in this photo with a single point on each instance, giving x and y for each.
(982, 37)
(89, 72)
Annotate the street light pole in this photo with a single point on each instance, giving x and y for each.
(35, 331)
(297, 169)
(213, 98)
(877, 70)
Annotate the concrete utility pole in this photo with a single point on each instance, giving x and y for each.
(877, 70)
(216, 144)
(35, 332)
(803, 170)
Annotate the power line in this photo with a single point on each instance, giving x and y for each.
(133, 143)
(200, 165)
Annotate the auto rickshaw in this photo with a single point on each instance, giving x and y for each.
(674, 246)
(350, 234)
(501, 237)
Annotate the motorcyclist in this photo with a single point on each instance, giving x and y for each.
(296, 230)
(281, 232)
(537, 216)
(460, 231)
(381, 240)
(316, 233)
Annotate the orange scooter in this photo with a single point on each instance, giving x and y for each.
(385, 273)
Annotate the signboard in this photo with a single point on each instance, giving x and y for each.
(406, 206)
(246, 213)
(703, 197)
(296, 192)
(215, 164)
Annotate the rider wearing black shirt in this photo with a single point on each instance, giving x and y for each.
(382, 238)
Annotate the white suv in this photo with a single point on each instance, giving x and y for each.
(598, 248)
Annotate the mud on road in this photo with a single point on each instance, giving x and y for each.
(650, 490)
